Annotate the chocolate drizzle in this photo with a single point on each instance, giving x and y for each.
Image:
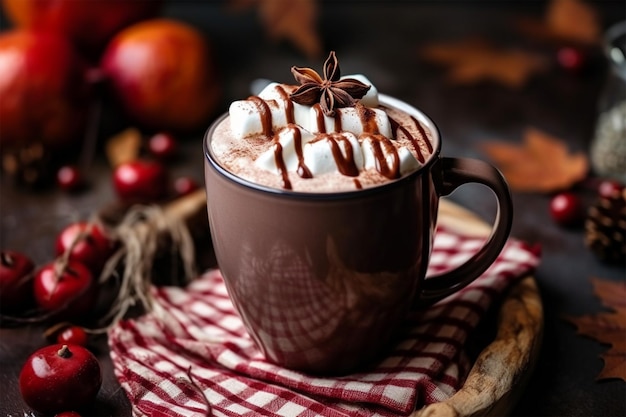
(280, 163)
(302, 170)
(319, 118)
(420, 128)
(368, 119)
(264, 113)
(396, 126)
(289, 112)
(345, 163)
(382, 146)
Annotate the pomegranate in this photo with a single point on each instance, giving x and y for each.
(44, 90)
(163, 74)
(58, 377)
(88, 24)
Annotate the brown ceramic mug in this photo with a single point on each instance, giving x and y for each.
(323, 281)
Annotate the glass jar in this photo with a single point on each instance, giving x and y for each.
(608, 146)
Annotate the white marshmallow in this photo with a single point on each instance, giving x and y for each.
(272, 92)
(319, 158)
(286, 138)
(407, 162)
(350, 121)
(245, 116)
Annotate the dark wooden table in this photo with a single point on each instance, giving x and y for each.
(381, 39)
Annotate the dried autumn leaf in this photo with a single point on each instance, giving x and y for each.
(474, 60)
(566, 20)
(294, 20)
(542, 163)
(608, 327)
(123, 147)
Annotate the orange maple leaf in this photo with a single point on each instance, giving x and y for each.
(566, 20)
(542, 163)
(608, 327)
(293, 20)
(474, 60)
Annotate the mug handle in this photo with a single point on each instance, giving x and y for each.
(455, 172)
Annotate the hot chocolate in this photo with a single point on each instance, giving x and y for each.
(322, 279)
(299, 138)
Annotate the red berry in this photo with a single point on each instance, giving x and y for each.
(69, 178)
(67, 414)
(163, 146)
(566, 209)
(87, 243)
(68, 290)
(569, 58)
(185, 185)
(72, 335)
(140, 181)
(610, 189)
(58, 378)
(16, 285)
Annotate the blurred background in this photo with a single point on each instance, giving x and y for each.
(88, 85)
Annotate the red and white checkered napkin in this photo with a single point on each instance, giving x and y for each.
(191, 356)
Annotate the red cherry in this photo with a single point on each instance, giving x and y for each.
(69, 178)
(569, 58)
(68, 291)
(73, 335)
(610, 189)
(16, 285)
(140, 181)
(163, 146)
(88, 244)
(566, 209)
(58, 377)
(185, 185)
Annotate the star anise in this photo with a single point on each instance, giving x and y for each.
(330, 92)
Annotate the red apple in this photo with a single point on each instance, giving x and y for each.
(163, 74)
(89, 24)
(44, 89)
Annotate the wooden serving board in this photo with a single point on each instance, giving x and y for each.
(502, 369)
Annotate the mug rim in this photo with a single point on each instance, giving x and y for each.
(384, 99)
